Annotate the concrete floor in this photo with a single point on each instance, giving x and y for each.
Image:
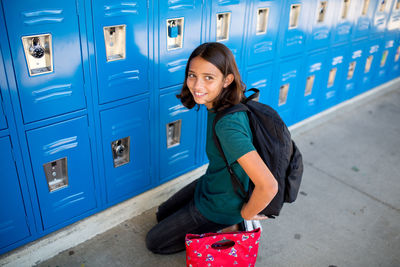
(347, 213)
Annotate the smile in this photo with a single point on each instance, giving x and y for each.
(199, 94)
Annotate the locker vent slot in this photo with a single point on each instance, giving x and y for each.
(365, 8)
(345, 9)
(115, 41)
(294, 16)
(120, 151)
(322, 11)
(368, 63)
(350, 73)
(332, 76)
(384, 57)
(174, 133)
(262, 20)
(175, 33)
(283, 92)
(56, 174)
(223, 25)
(38, 53)
(309, 85)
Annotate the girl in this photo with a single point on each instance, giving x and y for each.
(210, 203)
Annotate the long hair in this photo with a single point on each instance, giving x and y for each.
(220, 56)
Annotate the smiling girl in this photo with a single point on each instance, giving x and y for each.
(210, 203)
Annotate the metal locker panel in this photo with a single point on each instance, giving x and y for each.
(336, 68)
(344, 18)
(371, 64)
(179, 34)
(228, 25)
(13, 224)
(285, 89)
(321, 17)
(264, 26)
(46, 35)
(354, 72)
(312, 86)
(261, 78)
(121, 40)
(364, 18)
(178, 136)
(381, 16)
(294, 23)
(126, 149)
(62, 168)
(3, 122)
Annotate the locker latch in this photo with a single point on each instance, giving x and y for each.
(38, 53)
(223, 24)
(56, 174)
(120, 151)
(175, 33)
(115, 42)
(174, 133)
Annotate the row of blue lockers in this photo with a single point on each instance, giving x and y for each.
(88, 113)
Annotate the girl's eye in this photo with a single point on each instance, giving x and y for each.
(209, 78)
(190, 75)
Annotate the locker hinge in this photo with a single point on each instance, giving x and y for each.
(77, 8)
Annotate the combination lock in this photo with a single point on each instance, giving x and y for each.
(36, 50)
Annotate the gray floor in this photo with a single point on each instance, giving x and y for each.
(347, 213)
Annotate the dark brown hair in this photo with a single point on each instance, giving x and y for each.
(220, 56)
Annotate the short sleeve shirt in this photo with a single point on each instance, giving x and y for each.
(215, 196)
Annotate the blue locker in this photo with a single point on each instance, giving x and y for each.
(387, 50)
(344, 20)
(364, 18)
(381, 16)
(261, 78)
(371, 63)
(62, 169)
(293, 27)
(45, 45)
(263, 31)
(178, 136)
(3, 122)
(180, 31)
(321, 19)
(126, 149)
(312, 86)
(121, 41)
(228, 25)
(355, 63)
(285, 89)
(394, 62)
(393, 25)
(336, 69)
(13, 224)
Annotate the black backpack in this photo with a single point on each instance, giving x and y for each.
(273, 142)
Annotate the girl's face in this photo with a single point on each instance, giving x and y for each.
(205, 81)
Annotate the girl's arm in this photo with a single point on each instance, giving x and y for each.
(265, 185)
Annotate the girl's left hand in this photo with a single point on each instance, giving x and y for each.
(259, 217)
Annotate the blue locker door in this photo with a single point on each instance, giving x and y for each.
(261, 78)
(334, 76)
(49, 30)
(264, 26)
(62, 169)
(3, 122)
(312, 86)
(179, 34)
(364, 18)
(386, 52)
(293, 28)
(178, 136)
(321, 18)
(126, 149)
(121, 40)
(345, 16)
(228, 25)
(285, 89)
(394, 71)
(354, 72)
(381, 16)
(371, 64)
(394, 19)
(13, 224)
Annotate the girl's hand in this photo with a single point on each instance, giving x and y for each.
(259, 217)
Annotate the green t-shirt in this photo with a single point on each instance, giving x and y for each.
(215, 197)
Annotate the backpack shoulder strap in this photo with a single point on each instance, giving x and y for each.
(235, 180)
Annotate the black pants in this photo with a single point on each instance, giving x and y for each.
(176, 217)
